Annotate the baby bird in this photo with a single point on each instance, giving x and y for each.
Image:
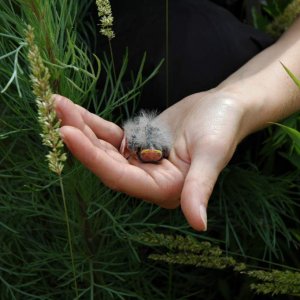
(146, 137)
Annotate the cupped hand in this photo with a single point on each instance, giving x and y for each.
(206, 128)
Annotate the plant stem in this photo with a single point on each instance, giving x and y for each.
(167, 53)
(92, 280)
(68, 232)
(170, 281)
(112, 59)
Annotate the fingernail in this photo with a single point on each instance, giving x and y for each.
(203, 215)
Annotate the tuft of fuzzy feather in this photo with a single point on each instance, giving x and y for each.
(144, 131)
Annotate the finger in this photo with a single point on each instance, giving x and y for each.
(111, 167)
(206, 165)
(196, 192)
(69, 115)
(103, 129)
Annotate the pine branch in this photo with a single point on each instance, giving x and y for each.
(276, 282)
(187, 251)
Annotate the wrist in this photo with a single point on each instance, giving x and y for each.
(250, 100)
(268, 96)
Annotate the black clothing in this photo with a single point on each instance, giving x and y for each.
(206, 44)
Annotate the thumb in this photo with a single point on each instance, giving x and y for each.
(198, 187)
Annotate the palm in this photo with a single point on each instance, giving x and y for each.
(159, 183)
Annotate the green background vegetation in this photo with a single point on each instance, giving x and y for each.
(253, 213)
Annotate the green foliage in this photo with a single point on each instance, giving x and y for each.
(251, 213)
(275, 17)
(293, 134)
(188, 251)
(276, 282)
(35, 262)
(293, 77)
(255, 205)
(267, 12)
(284, 20)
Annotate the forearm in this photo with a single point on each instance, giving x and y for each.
(263, 86)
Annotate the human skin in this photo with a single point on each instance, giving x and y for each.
(206, 126)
